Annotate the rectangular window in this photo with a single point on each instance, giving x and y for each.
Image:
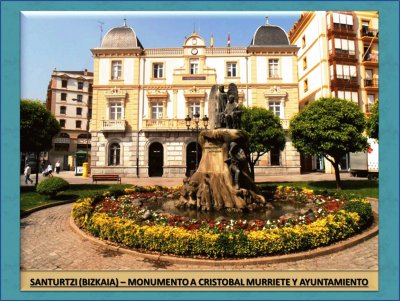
(342, 21)
(346, 72)
(194, 107)
(303, 41)
(305, 63)
(116, 72)
(63, 96)
(89, 113)
(64, 83)
(80, 85)
(79, 97)
(231, 69)
(78, 124)
(275, 107)
(306, 85)
(90, 100)
(348, 95)
(370, 103)
(63, 110)
(344, 46)
(273, 68)
(157, 110)
(194, 66)
(62, 123)
(115, 111)
(158, 69)
(79, 111)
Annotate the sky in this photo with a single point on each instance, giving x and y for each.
(63, 40)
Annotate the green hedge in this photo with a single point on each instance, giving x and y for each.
(51, 186)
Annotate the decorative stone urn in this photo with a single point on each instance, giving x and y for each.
(222, 180)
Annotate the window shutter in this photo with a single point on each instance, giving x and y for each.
(342, 19)
(336, 18)
(345, 44)
(349, 19)
(338, 44)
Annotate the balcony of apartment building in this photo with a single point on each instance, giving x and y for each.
(342, 55)
(370, 59)
(371, 85)
(344, 81)
(368, 34)
(113, 125)
(340, 30)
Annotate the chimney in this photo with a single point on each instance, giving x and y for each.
(85, 72)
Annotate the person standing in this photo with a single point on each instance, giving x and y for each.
(58, 166)
(27, 173)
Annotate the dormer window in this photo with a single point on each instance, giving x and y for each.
(116, 70)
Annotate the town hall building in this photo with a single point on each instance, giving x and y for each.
(141, 97)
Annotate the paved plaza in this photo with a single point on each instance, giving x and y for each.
(48, 242)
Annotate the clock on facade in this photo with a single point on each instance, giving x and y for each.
(194, 51)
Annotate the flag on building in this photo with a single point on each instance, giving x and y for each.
(229, 40)
(212, 41)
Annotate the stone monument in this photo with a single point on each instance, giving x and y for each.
(222, 180)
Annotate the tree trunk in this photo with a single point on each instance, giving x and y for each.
(337, 175)
(213, 185)
(252, 173)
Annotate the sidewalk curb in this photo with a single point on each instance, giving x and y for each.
(25, 213)
(336, 247)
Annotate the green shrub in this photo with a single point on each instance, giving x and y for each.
(363, 209)
(52, 186)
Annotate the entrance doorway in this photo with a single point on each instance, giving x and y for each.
(191, 158)
(156, 160)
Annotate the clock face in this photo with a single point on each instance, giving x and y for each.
(194, 41)
(194, 51)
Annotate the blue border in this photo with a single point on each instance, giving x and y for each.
(389, 146)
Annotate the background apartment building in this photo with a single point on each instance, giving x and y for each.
(141, 98)
(338, 57)
(69, 99)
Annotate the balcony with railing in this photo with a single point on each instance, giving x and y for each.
(367, 34)
(370, 60)
(341, 29)
(371, 84)
(117, 125)
(164, 124)
(341, 81)
(342, 55)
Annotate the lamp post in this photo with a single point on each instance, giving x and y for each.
(87, 127)
(196, 129)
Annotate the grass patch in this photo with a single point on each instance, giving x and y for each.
(362, 188)
(31, 199)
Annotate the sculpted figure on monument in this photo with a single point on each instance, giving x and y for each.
(232, 113)
(237, 161)
(222, 101)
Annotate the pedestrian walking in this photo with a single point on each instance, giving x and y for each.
(27, 173)
(58, 166)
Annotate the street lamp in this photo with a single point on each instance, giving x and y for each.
(87, 127)
(196, 129)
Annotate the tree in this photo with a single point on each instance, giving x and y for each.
(265, 133)
(38, 127)
(331, 127)
(373, 122)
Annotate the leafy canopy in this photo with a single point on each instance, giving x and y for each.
(373, 122)
(263, 128)
(329, 126)
(38, 127)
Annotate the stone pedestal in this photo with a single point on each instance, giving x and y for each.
(212, 186)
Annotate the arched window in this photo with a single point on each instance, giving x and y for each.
(114, 154)
(84, 136)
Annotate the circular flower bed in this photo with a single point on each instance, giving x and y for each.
(119, 216)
